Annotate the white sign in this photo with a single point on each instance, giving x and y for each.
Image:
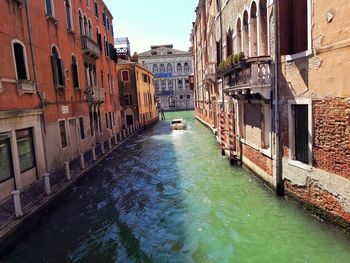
(65, 109)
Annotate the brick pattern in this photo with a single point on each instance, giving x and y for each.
(262, 161)
(331, 149)
(320, 198)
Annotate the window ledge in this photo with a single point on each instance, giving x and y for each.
(71, 32)
(297, 55)
(300, 165)
(52, 19)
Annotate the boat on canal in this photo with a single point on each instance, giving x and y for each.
(178, 124)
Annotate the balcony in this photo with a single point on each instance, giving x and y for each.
(249, 77)
(95, 95)
(90, 47)
(26, 86)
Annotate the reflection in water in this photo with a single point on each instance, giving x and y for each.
(169, 196)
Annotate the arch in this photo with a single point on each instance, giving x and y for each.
(57, 66)
(81, 22)
(85, 27)
(163, 85)
(170, 84)
(263, 28)
(245, 32)
(179, 68)
(169, 68)
(20, 59)
(68, 10)
(229, 43)
(186, 68)
(90, 28)
(253, 47)
(75, 74)
(162, 68)
(179, 84)
(106, 45)
(155, 68)
(99, 38)
(239, 35)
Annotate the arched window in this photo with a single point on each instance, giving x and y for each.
(180, 84)
(20, 60)
(99, 38)
(85, 28)
(263, 28)
(253, 31)
(239, 36)
(245, 34)
(75, 72)
(81, 23)
(57, 67)
(162, 68)
(156, 85)
(163, 85)
(186, 68)
(179, 68)
(229, 44)
(155, 68)
(169, 68)
(106, 46)
(49, 4)
(68, 8)
(90, 29)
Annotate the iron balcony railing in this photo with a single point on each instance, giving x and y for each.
(90, 47)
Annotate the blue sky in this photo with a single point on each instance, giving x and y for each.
(153, 22)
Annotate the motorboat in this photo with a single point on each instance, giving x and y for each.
(178, 124)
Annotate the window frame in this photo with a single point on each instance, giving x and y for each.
(70, 15)
(82, 133)
(52, 5)
(291, 131)
(13, 42)
(122, 76)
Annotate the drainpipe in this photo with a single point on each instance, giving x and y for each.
(41, 97)
(279, 176)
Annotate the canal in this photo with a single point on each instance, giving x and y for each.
(169, 196)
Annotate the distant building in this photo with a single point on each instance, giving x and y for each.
(171, 70)
(137, 94)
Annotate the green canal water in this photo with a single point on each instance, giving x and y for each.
(169, 196)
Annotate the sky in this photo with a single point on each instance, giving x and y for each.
(153, 22)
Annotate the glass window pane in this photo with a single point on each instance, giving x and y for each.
(6, 169)
(26, 151)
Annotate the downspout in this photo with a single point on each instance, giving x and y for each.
(40, 94)
(279, 176)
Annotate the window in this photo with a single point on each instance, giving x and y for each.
(104, 18)
(75, 72)
(229, 43)
(127, 100)
(89, 33)
(99, 39)
(81, 23)
(107, 123)
(88, 3)
(57, 67)
(96, 9)
(294, 26)
(49, 7)
(6, 168)
(180, 84)
(186, 68)
(179, 68)
(81, 128)
(106, 46)
(300, 133)
(188, 96)
(63, 134)
(125, 75)
(218, 52)
(68, 8)
(181, 97)
(20, 61)
(102, 80)
(26, 153)
(169, 68)
(163, 85)
(156, 85)
(162, 68)
(145, 78)
(110, 119)
(155, 68)
(170, 84)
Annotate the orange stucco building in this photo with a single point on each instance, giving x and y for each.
(58, 86)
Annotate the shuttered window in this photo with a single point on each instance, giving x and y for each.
(301, 133)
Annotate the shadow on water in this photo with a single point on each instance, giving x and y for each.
(169, 196)
(127, 209)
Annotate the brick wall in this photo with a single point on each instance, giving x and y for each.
(331, 150)
(262, 161)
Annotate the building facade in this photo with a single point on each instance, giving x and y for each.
(277, 99)
(171, 69)
(137, 94)
(58, 86)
